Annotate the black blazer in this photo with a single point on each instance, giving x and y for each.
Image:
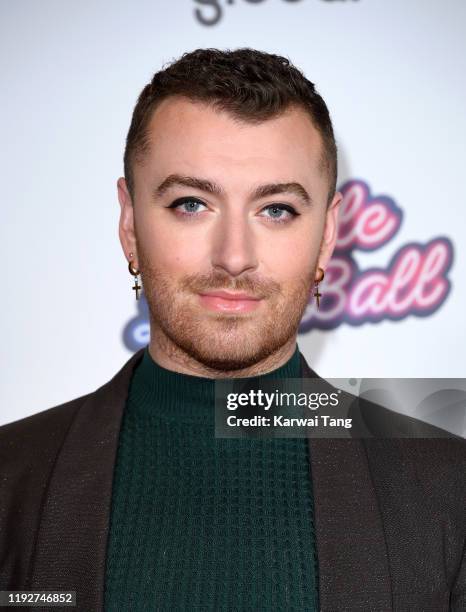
(390, 514)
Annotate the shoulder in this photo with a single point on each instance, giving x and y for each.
(31, 452)
(35, 434)
(405, 453)
(29, 448)
(399, 444)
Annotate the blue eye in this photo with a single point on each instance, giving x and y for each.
(278, 210)
(280, 213)
(191, 204)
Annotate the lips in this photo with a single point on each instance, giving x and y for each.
(231, 296)
(224, 301)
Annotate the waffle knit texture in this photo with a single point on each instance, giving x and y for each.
(205, 523)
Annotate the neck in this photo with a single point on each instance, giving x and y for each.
(171, 357)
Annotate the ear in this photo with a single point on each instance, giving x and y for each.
(126, 225)
(330, 234)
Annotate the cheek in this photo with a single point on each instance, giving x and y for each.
(288, 257)
(171, 251)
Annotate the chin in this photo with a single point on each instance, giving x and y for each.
(226, 362)
(230, 351)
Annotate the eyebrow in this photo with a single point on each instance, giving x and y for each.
(269, 189)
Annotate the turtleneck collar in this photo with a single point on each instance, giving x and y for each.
(156, 391)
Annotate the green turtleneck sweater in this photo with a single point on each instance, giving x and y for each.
(205, 523)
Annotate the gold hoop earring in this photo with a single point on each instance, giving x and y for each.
(134, 272)
(318, 280)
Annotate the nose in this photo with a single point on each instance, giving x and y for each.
(234, 248)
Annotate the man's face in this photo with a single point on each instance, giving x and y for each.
(223, 205)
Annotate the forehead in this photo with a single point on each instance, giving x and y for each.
(185, 137)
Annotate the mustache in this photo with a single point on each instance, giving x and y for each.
(258, 287)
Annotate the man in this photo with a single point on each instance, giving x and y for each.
(229, 214)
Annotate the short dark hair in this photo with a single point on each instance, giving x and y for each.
(249, 84)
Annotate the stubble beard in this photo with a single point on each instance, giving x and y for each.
(219, 341)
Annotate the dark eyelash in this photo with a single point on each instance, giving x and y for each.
(286, 207)
(183, 201)
(289, 209)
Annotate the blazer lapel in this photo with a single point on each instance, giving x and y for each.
(72, 538)
(351, 548)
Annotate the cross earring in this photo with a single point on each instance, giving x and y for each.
(135, 273)
(317, 294)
